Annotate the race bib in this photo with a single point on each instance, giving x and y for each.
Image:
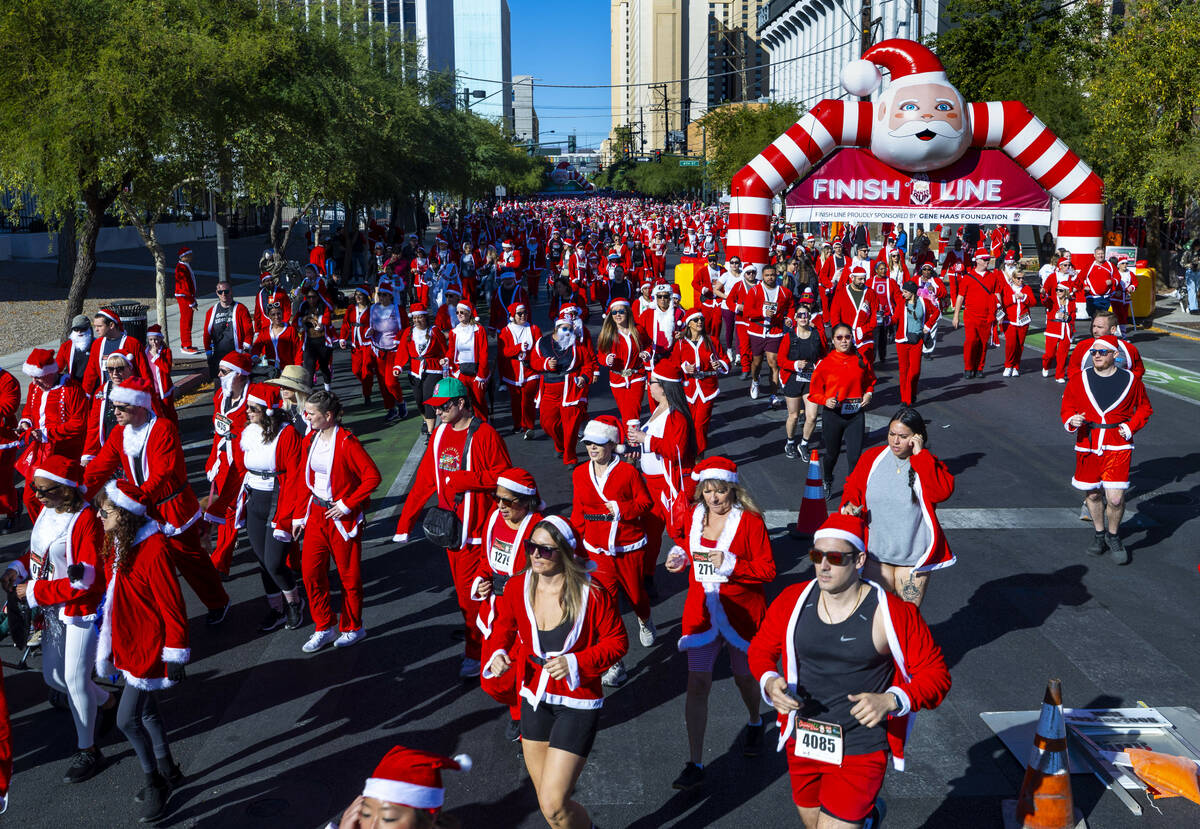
(501, 556)
(769, 309)
(222, 425)
(35, 563)
(706, 573)
(820, 741)
(851, 406)
(1023, 319)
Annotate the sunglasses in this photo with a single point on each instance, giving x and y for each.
(42, 493)
(1096, 351)
(120, 407)
(102, 512)
(620, 311)
(836, 559)
(540, 550)
(503, 501)
(842, 337)
(445, 407)
(222, 293)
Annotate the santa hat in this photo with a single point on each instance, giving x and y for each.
(508, 243)
(849, 528)
(907, 61)
(1010, 257)
(462, 306)
(40, 363)
(568, 308)
(750, 269)
(184, 251)
(515, 307)
(266, 276)
(662, 288)
(694, 315)
(1062, 262)
(667, 370)
(1107, 341)
(133, 392)
(982, 253)
(517, 480)
(603, 429)
(385, 286)
(859, 269)
(568, 533)
(508, 275)
(363, 289)
(614, 257)
(1122, 257)
(417, 308)
(647, 282)
(265, 395)
(154, 331)
(805, 298)
(61, 470)
(237, 363)
(127, 496)
(123, 356)
(715, 469)
(112, 317)
(619, 302)
(408, 777)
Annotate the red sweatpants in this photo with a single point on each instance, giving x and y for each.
(908, 355)
(701, 415)
(187, 554)
(522, 400)
(185, 320)
(654, 522)
(463, 566)
(10, 501)
(362, 365)
(623, 571)
(227, 535)
(743, 344)
(629, 402)
(1057, 348)
(562, 423)
(975, 341)
(1121, 309)
(323, 539)
(389, 386)
(1014, 344)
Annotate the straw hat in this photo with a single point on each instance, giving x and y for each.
(293, 377)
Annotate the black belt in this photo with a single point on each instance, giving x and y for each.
(598, 517)
(267, 475)
(321, 502)
(537, 660)
(1091, 425)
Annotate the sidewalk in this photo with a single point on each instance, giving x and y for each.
(1170, 317)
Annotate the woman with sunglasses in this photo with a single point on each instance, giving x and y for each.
(801, 348)
(144, 634)
(566, 364)
(566, 633)
(896, 489)
(1016, 301)
(516, 342)
(62, 574)
(700, 359)
(467, 357)
(421, 351)
(355, 334)
(621, 347)
(841, 387)
(728, 555)
(845, 665)
(503, 556)
(277, 344)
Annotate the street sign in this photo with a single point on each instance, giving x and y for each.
(643, 159)
(689, 162)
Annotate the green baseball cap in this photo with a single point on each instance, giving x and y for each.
(448, 388)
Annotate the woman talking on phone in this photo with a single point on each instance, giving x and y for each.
(894, 489)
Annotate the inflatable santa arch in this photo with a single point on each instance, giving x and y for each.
(920, 123)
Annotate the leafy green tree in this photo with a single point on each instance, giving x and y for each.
(735, 134)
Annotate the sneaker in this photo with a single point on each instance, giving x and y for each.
(647, 633)
(293, 614)
(272, 621)
(424, 428)
(1045, 372)
(1015, 372)
(615, 676)
(319, 640)
(805, 451)
(1097, 547)
(1116, 549)
(1008, 372)
(753, 389)
(512, 731)
(967, 375)
(878, 813)
(691, 777)
(1060, 379)
(169, 769)
(216, 615)
(403, 410)
(469, 669)
(393, 415)
(774, 403)
(154, 798)
(349, 637)
(753, 740)
(528, 434)
(189, 351)
(789, 450)
(84, 765)
(827, 486)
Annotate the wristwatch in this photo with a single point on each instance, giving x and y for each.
(896, 697)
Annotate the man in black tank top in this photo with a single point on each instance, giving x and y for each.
(844, 695)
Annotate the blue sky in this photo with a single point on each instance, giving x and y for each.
(565, 42)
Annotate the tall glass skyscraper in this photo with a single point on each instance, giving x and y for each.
(482, 49)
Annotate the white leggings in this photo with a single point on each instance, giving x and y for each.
(68, 653)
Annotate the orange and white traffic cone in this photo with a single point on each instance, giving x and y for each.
(813, 510)
(1045, 800)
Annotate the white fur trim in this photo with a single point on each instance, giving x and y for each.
(762, 685)
(905, 701)
(122, 500)
(48, 370)
(572, 671)
(41, 473)
(513, 486)
(563, 527)
(132, 398)
(487, 665)
(89, 578)
(843, 535)
(404, 794)
(597, 432)
(182, 655)
(465, 763)
(715, 475)
(728, 562)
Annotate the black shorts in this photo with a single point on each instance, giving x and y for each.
(794, 387)
(565, 728)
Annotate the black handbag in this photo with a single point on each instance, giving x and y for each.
(442, 526)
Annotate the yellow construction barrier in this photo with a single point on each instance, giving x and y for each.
(685, 274)
(1145, 295)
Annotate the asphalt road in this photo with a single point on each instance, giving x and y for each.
(270, 737)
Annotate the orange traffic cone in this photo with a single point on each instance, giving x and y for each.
(813, 511)
(1045, 800)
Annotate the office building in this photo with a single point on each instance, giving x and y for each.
(727, 63)
(525, 118)
(649, 58)
(483, 50)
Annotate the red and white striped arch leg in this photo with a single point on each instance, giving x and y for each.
(831, 125)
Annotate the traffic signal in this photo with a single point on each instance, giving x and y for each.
(658, 156)
(571, 143)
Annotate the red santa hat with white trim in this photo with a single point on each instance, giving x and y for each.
(40, 363)
(417, 308)
(619, 302)
(667, 370)
(602, 429)
(715, 469)
(61, 470)
(521, 482)
(848, 528)
(982, 252)
(135, 391)
(127, 496)
(571, 537)
(409, 777)
(237, 362)
(265, 395)
(693, 315)
(154, 331)
(907, 62)
(112, 316)
(515, 307)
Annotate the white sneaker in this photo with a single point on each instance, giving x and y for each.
(469, 669)
(350, 637)
(1060, 379)
(1045, 372)
(1006, 372)
(319, 639)
(647, 632)
(1015, 373)
(615, 676)
(753, 389)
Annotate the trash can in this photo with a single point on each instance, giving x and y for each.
(133, 318)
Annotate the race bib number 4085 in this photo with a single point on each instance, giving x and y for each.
(821, 741)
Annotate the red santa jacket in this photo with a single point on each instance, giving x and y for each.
(1096, 279)
(932, 315)
(1130, 412)
(516, 343)
(581, 367)
(243, 329)
(734, 606)
(185, 281)
(659, 328)
(621, 486)
(352, 479)
(920, 679)
(739, 295)
(227, 428)
(420, 361)
(66, 356)
(497, 559)
(978, 292)
(278, 350)
(480, 340)
(10, 407)
(888, 298)
(708, 363)
(1081, 358)
(486, 457)
(285, 469)
(161, 473)
(264, 298)
(145, 620)
(766, 316)
(94, 373)
(84, 542)
(860, 317)
(841, 377)
(58, 416)
(503, 297)
(97, 433)
(624, 359)
(596, 640)
(1060, 319)
(1016, 303)
(161, 365)
(933, 484)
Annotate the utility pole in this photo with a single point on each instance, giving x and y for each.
(919, 11)
(864, 41)
(641, 128)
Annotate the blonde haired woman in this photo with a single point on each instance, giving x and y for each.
(568, 635)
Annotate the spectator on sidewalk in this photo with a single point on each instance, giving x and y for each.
(185, 297)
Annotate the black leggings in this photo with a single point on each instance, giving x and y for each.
(883, 333)
(318, 356)
(835, 428)
(270, 551)
(423, 388)
(137, 717)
